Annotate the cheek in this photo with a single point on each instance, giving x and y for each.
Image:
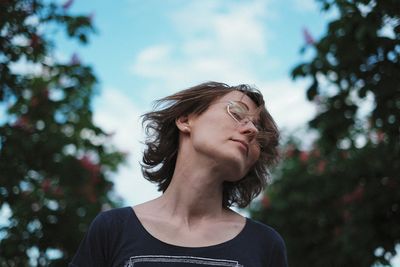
(255, 155)
(206, 134)
(215, 126)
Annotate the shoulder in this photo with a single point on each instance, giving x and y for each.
(268, 241)
(112, 218)
(263, 229)
(265, 234)
(116, 214)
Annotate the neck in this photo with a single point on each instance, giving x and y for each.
(194, 194)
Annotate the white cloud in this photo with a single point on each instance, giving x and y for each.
(232, 27)
(221, 41)
(216, 41)
(116, 113)
(286, 102)
(154, 54)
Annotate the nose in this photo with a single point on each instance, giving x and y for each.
(249, 129)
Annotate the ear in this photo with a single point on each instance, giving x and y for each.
(183, 124)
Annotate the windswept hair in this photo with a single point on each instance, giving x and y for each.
(162, 141)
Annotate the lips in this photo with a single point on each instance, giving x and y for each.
(244, 143)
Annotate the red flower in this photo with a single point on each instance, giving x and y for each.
(75, 60)
(344, 154)
(92, 198)
(266, 202)
(321, 166)
(290, 151)
(89, 165)
(356, 195)
(308, 37)
(43, 96)
(380, 136)
(67, 4)
(94, 169)
(91, 17)
(88, 191)
(316, 152)
(35, 40)
(58, 191)
(24, 124)
(304, 156)
(46, 184)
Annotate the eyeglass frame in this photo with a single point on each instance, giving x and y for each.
(246, 118)
(260, 134)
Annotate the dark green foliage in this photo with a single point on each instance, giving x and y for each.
(338, 203)
(54, 162)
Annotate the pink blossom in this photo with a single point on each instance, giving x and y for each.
(290, 151)
(321, 166)
(91, 17)
(316, 153)
(92, 168)
(24, 123)
(380, 136)
(89, 165)
(356, 195)
(303, 156)
(266, 202)
(75, 60)
(58, 191)
(67, 4)
(46, 184)
(35, 40)
(308, 37)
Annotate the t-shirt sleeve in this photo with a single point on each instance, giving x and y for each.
(279, 258)
(92, 249)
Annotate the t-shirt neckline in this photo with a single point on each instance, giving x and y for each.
(229, 242)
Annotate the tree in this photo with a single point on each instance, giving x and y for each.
(55, 163)
(337, 203)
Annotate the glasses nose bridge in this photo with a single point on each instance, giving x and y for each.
(245, 121)
(242, 119)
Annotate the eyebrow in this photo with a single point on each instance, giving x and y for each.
(257, 120)
(241, 102)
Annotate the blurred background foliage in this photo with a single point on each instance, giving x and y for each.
(337, 202)
(55, 162)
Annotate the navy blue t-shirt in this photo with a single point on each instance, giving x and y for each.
(117, 238)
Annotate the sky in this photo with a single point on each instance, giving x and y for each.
(145, 50)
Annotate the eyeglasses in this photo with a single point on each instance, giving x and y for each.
(240, 113)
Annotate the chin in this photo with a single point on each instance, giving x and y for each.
(235, 173)
(237, 165)
(233, 180)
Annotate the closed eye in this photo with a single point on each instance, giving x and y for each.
(258, 126)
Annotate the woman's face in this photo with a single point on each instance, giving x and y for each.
(226, 136)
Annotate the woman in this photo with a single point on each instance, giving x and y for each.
(208, 147)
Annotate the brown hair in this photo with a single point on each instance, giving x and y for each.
(162, 140)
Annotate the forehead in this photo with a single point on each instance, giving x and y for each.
(239, 96)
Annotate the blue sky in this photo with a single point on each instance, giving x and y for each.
(193, 41)
(144, 50)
